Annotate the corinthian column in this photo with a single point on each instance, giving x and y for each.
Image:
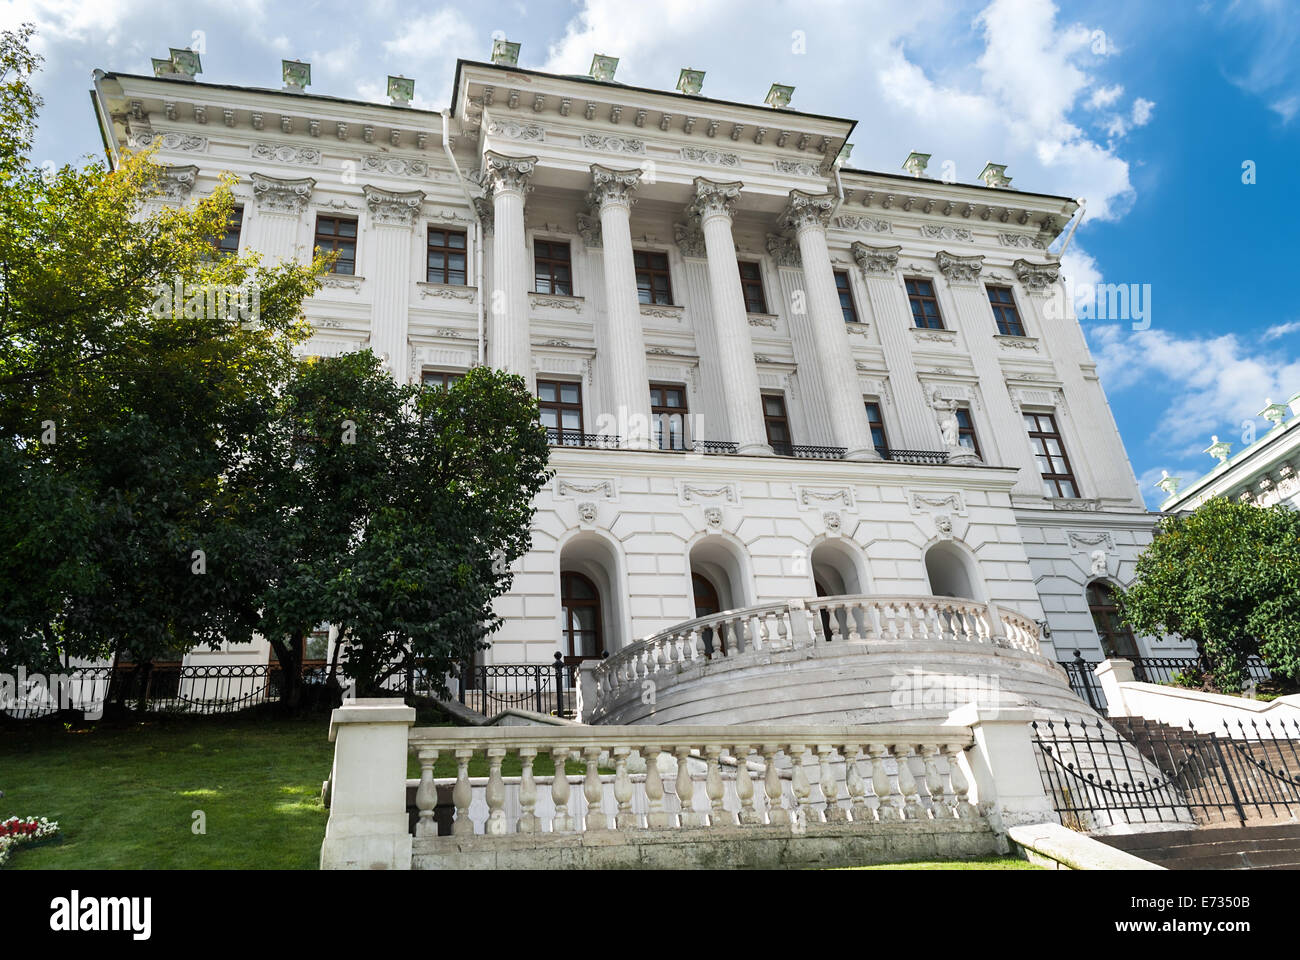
(713, 206)
(389, 265)
(620, 335)
(808, 214)
(508, 341)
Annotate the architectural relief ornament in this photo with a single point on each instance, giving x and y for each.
(783, 251)
(514, 130)
(713, 198)
(556, 303)
(589, 229)
(689, 239)
(832, 520)
(1074, 503)
(170, 141)
(1021, 240)
(936, 232)
(1037, 277)
(876, 261)
(444, 291)
(1087, 541)
(809, 496)
(1017, 343)
(762, 320)
(715, 158)
(959, 269)
(865, 224)
(713, 516)
(388, 206)
(340, 282)
(587, 511)
(175, 183)
(807, 210)
(394, 166)
(281, 196)
(507, 173)
(286, 153)
(802, 168)
(1098, 568)
(929, 502)
(604, 487)
(612, 186)
(935, 336)
(595, 141)
(690, 493)
(662, 312)
(943, 524)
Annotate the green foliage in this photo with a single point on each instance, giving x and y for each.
(1226, 576)
(390, 511)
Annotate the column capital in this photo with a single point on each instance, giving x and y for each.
(503, 173)
(273, 195)
(392, 207)
(175, 183)
(612, 186)
(806, 210)
(1037, 277)
(713, 198)
(959, 269)
(876, 261)
(783, 251)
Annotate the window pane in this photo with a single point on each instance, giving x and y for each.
(546, 391)
(569, 392)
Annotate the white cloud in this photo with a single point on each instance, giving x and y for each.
(1103, 97)
(1286, 108)
(1142, 110)
(1279, 330)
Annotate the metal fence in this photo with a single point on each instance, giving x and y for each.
(1164, 774)
(1086, 687)
(544, 687)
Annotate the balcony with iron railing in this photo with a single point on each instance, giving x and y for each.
(676, 444)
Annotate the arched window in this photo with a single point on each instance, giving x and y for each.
(580, 609)
(950, 573)
(706, 596)
(1116, 638)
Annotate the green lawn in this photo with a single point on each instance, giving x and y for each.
(125, 796)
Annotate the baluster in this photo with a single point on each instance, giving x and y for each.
(763, 637)
(873, 621)
(563, 822)
(777, 814)
(851, 610)
(833, 619)
(686, 790)
(783, 639)
(625, 819)
(591, 789)
(528, 822)
(830, 785)
(934, 783)
(890, 612)
(907, 782)
(657, 817)
(802, 788)
(964, 809)
(905, 619)
(693, 644)
(462, 794)
(496, 793)
(713, 786)
(749, 814)
(854, 783)
(426, 795)
(886, 809)
(652, 659)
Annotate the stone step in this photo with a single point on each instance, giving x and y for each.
(1169, 838)
(1252, 847)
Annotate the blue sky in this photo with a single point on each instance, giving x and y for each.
(1149, 110)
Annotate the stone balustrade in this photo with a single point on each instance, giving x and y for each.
(787, 777)
(796, 624)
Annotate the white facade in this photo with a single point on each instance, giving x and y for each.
(615, 171)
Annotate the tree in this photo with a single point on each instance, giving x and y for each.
(391, 511)
(1226, 576)
(133, 359)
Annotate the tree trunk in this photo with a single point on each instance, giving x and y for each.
(290, 672)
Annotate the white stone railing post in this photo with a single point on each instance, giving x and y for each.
(1003, 765)
(1111, 674)
(588, 689)
(368, 827)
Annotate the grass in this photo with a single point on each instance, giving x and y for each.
(125, 795)
(989, 863)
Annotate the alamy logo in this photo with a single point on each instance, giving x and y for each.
(34, 694)
(206, 301)
(76, 913)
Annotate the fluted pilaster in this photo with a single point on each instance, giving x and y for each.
(392, 216)
(280, 204)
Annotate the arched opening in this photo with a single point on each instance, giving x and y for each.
(707, 601)
(1116, 638)
(952, 573)
(718, 582)
(837, 571)
(591, 599)
(580, 612)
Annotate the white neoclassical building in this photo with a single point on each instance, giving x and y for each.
(769, 377)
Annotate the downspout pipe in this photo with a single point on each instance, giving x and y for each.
(478, 230)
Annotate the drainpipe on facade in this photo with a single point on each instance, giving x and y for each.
(1083, 209)
(478, 231)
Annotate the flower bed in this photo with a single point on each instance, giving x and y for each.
(16, 831)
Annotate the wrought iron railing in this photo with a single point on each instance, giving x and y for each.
(783, 448)
(716, 446)
(934, 457)
(1084, 683)
(574, 438)
(543, 687)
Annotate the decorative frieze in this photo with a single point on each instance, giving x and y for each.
(929, 501)
(540, 301)
(566, 488)
(662, 311)
(934, 336)
(876, 261)
(446, 291)
(610, 144)
(691, 493)
(286, 153)
(934, 231)
(864, 224)
(394, 166)
(1022, 240)
(515, 130)
(393, 207)
(274, 195)
(801, 168)
(1016, 343)
(171, 141)
(715, 158)
(959, 269)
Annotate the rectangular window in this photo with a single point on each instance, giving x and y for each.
(925, 305)
(777, 424)
(559, 404)
(1058, 479)
(338, 234)
(552, 267)
(966, 431)
(446, 257)
(653, 284)
(1004, 312)
(847, 306)
(877, 423)
(439, 379)
(668, 411)
(229, 242)
(751, 284)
